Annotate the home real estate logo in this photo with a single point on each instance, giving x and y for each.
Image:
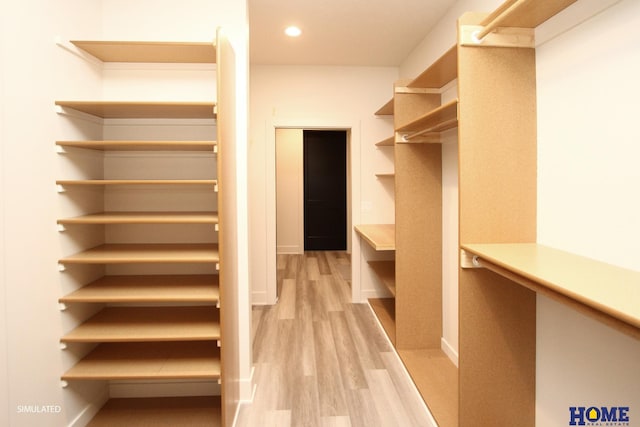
(599, 416)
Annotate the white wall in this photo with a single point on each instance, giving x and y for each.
(588, 175)
(316, 97)
(442, 36)
(32, 77)
(289, 191)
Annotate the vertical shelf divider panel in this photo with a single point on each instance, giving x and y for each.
(418, 192)
(497, 179)
(230, 318)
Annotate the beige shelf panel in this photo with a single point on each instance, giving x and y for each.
(199, 411)
(441, 72)
(138, 324)
(386, 109)
(141, 110)
(436, 378)
(141, 145)
(147, 361)
(107, 182)
(148, 289)
(147, 51)
(386, 272)
(144, 218)
(381, 237)
(599, 287)
(438, 120)
(385, 311)
(146, 253)
(525, 13)
(388, 142)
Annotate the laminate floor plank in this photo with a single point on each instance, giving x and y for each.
(386, 398)
(330, 389)
(348, 360)
(321, 360)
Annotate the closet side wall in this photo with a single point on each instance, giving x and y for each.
(587, 182)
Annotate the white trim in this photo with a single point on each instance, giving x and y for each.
(352, 125)
(449, 350)
(289, 250)
(89, 411)
(260, 298)
(248, 387)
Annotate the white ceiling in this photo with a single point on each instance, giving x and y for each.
(340, 32)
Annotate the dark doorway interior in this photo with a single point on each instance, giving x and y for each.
(325, 190)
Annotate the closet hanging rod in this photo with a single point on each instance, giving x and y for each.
(433, 129)
(495, 21)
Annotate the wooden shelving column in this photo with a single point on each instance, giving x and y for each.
(164, 327)
(420, 118)
(497, 184)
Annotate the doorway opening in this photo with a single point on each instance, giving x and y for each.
(313, 190)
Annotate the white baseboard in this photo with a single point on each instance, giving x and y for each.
(289, 250)
(259, 298)
(247, 387)
(373, 293)
(449, 351)
(89, 411)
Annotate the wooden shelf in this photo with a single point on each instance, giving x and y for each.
(140, 110)
(148, 361)
(147, 51)
(148, 289)
(440, 119)
(385, 311)
(141, 145)
(386, 109)
(109, 182)
(578, 281)
(388, 142)
(527, 14)
(138, 324)
(144, 218)
(146, 253)
(381, 237)
(436, 378)
(386, 272)
(199, 411)
(441, 72)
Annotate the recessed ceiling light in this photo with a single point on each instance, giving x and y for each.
(293, 31)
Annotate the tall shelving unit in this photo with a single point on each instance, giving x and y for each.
(151, 324)
(502, 266)
(412, 317)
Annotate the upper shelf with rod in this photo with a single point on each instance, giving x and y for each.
(438, 120)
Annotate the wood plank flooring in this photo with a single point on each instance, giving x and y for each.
(322, 361)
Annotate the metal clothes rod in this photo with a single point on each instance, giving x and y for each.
(434, 128)
(495, 22)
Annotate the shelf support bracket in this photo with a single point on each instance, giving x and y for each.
(501, 37)
(469, 260)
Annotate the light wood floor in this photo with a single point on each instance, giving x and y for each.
(322, 361)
